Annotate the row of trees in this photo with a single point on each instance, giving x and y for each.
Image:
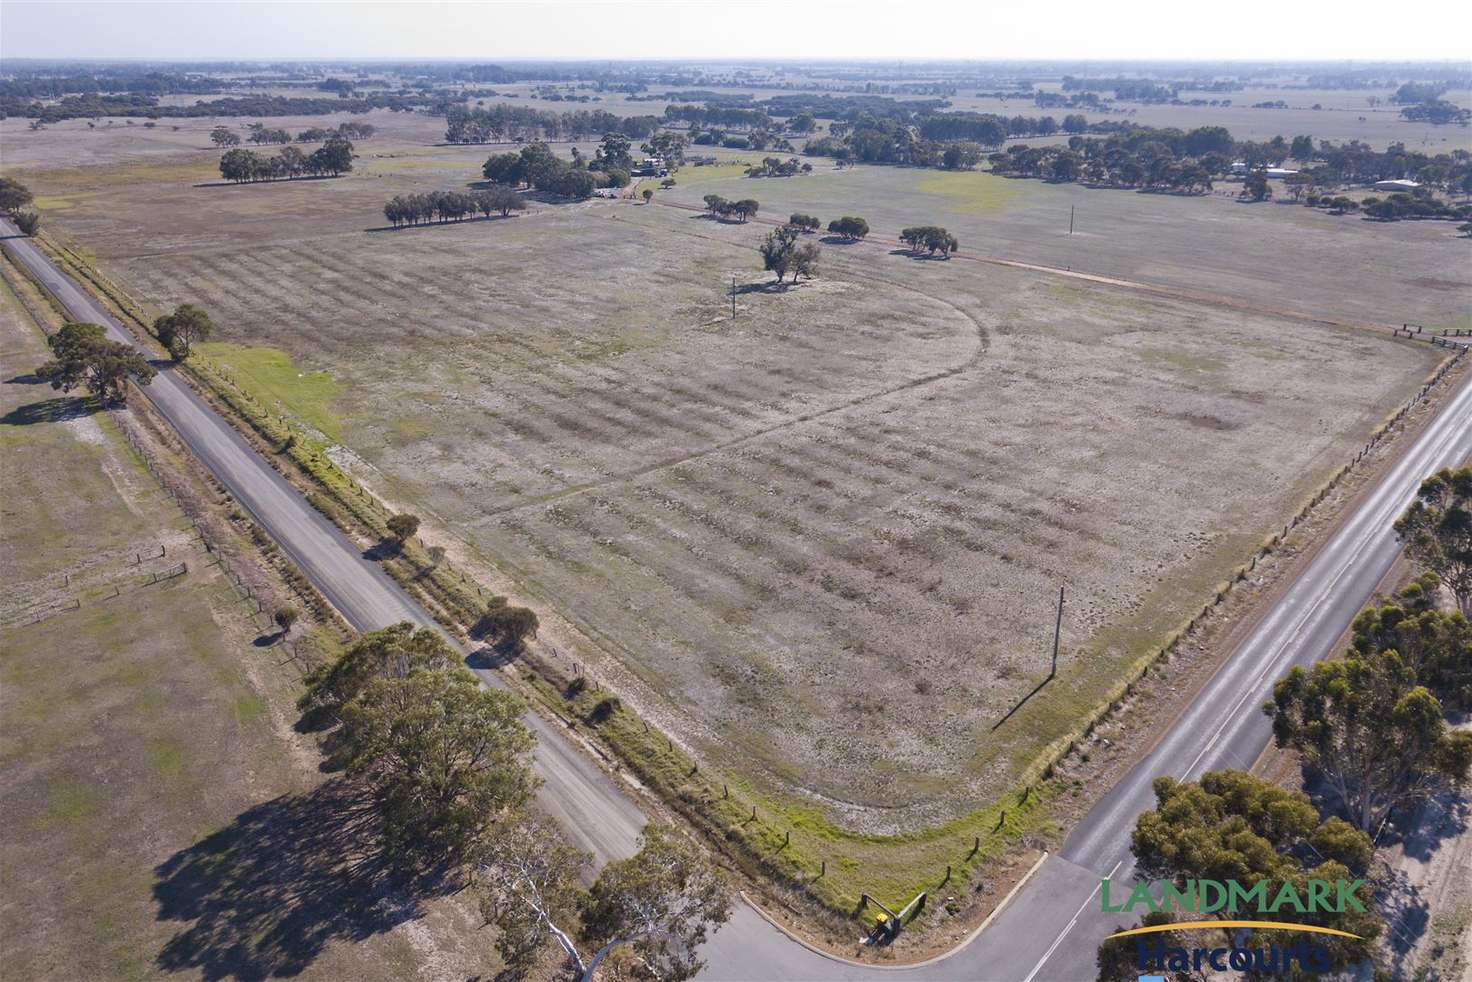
(1370, 726)
(447, 761)
(224, 136)
(740, 210)
(777, 167)
(849, 228)
(1171, 159)
(14, 196)
(930, 238)
(93, 106)
(332, 159)
(451, 206)
(502, 122)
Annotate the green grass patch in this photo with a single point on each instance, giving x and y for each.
(274, 377)
(70, 804)
(166, 757)
(248, 708)
(408, 429)
(691, 176)
(971, 192)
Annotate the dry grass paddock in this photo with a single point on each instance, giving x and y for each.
(825, 536)
(162, 817)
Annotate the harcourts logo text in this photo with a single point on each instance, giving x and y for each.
(1271, 901)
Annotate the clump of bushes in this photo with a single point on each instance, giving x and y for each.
(503, 623)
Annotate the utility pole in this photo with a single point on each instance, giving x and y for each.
(1057, 630)
(1070, 219)
(733, 296)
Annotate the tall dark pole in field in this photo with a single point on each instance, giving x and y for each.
(1070, 219)
(733, 296)
(1057, 630)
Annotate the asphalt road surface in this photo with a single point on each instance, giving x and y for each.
(1051, 929)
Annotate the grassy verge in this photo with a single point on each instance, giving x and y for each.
(782, 840)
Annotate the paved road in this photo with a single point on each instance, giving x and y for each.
(598, 816)
(1051, 929)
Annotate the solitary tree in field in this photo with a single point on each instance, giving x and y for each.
(647, 194)
(223, 136)
(85, 357)
(402, 527)
(777, 250)
(446, 757)
(1437, 531)
(180, 330)
(661, 903)
(745, 208)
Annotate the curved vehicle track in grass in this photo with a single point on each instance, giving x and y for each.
(983, 341)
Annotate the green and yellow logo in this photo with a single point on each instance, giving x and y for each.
(1264, 898)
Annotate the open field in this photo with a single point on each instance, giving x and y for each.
(825, 537)
(163, 819)
(1277, 253)
(1345, 115)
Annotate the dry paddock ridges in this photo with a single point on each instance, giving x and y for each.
(831, 531)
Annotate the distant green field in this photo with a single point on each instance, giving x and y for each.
(970, 192)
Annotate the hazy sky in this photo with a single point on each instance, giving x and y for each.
(743, 29)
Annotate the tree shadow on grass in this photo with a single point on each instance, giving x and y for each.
(264, 896)
(765, 286)
(383, 550)
(55, 410)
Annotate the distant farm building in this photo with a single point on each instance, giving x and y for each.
(1397, 185)
(651, 167)
(1271, 173)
